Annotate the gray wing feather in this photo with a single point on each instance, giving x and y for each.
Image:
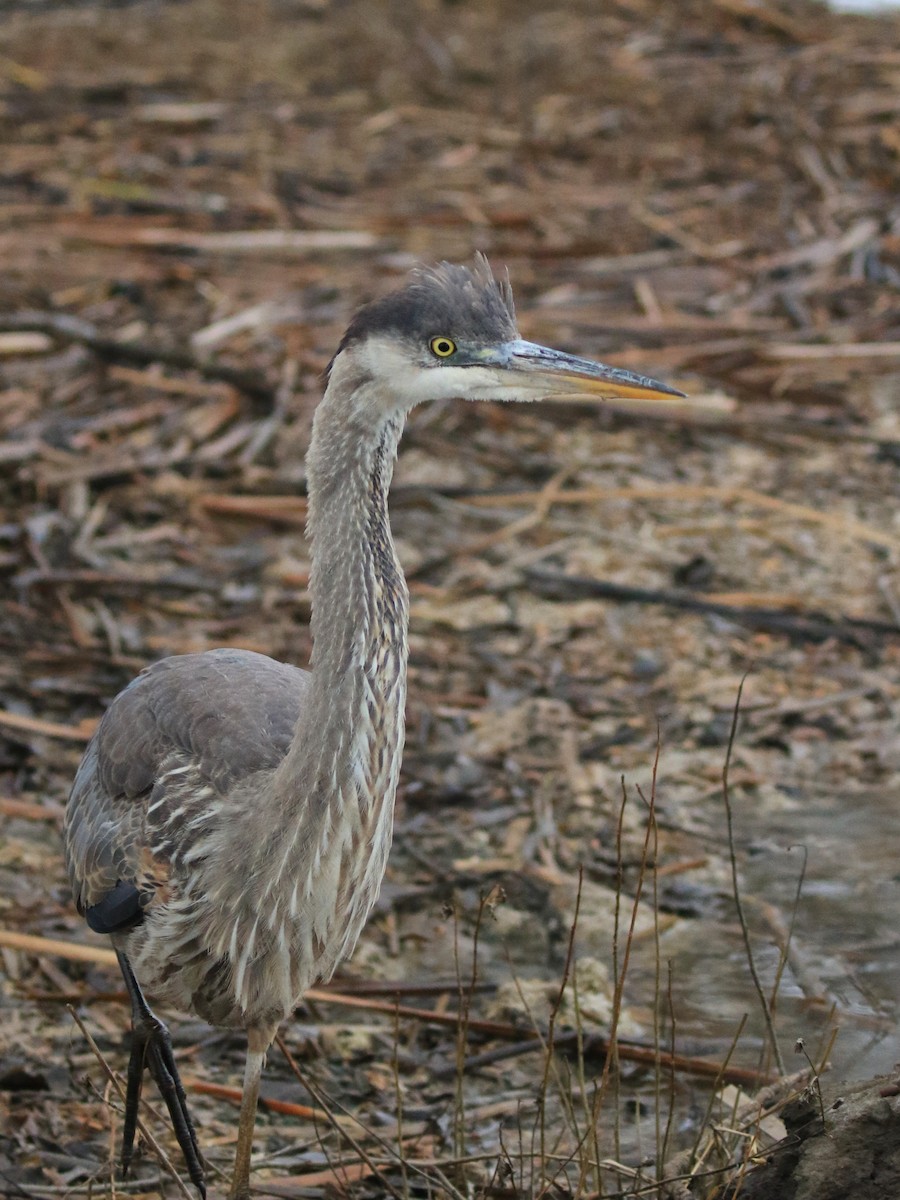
(213, 720)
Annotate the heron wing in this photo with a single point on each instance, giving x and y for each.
(184, 734)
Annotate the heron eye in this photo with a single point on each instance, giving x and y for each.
(443, 347)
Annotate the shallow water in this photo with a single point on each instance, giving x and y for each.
(848, 917)
(844, 963)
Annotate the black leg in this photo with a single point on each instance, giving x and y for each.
(151, 1047)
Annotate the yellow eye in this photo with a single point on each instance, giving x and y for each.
(443, 347)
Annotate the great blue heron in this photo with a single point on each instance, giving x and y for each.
(231, 818)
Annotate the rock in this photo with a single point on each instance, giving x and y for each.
(854, 1156)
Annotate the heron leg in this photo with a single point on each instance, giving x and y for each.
(151, 1047)
(257, 1045)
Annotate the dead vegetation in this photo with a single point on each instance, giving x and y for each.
(193, 197)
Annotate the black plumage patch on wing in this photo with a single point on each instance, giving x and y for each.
(118, 911)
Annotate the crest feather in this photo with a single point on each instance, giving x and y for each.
(466, 303)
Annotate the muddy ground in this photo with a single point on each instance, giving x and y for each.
(193, 199)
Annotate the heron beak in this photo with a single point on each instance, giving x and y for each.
(554, 373)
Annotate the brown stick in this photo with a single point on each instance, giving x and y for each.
(810, 626)
(221, 1091)
(30, 811)
(74, 329)
(594, 1044)
(75, 733)
(74, 951)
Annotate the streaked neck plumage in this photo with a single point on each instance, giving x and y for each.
(336, 785)
(358, 593)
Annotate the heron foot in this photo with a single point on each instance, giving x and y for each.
(151, 1047)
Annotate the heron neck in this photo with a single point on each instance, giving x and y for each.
(350, 734)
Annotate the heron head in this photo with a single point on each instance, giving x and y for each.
(451, 333)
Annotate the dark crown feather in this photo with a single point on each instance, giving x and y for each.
(462, 302)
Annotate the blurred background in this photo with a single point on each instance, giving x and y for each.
(194, 197)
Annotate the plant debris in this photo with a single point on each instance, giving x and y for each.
(553, 996)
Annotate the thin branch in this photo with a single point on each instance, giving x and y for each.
(157, 1149)
(341, 1129)
(745, 932)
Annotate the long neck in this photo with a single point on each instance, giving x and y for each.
(352, 719)
(318, 864)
